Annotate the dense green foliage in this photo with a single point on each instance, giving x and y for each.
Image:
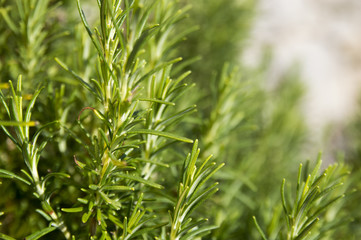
(101, 116)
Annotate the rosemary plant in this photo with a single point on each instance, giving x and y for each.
(30, 32)
(99, 128)
(307, 217)
(31, 151)
(132, 114)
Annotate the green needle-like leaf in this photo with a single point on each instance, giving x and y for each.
(18, 124)
(139, 179)
(77, 77)
(259, 228)
(40, 233)
(162, 134)
(7, 174)
(72, 210)
(6, 237)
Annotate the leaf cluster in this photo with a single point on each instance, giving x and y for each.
(120, 132)
(98, 128)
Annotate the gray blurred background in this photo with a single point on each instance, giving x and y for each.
(321, 37)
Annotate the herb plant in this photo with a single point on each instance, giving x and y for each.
(124, 136)
(101, 135)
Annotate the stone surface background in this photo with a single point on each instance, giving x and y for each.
(324, 38)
